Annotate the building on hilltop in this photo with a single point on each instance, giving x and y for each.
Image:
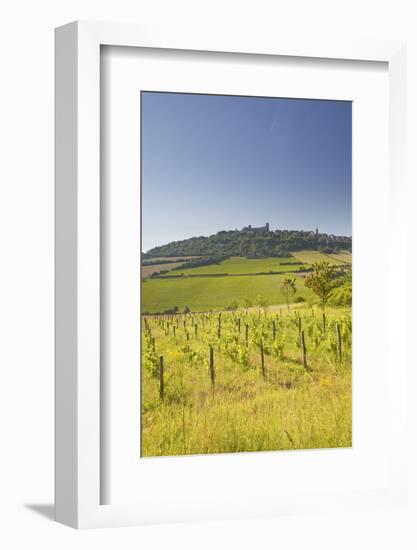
(263, 229)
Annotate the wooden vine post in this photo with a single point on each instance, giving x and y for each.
(274, 330)
(247, 333)
(211, 367)
(161, 377)
(262, 359)
(303, 350)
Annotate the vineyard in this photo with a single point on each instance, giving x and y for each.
(246, 380)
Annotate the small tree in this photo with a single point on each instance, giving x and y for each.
(247, 302)
(288, 288)
(262, 302)
(233, 305)
(320, 281)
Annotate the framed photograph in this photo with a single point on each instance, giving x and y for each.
(225, 335)
(246, 330)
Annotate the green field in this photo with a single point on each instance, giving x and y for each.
(164, 259)
(207, 292)
(311, 256)
(260, 393)
(345, 257)
(219, 379)
(237, 265)
(148, 270)
(211, 293)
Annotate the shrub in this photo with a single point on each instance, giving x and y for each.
(171, 311)
(261, 301)
(341, 296)
(247, 302)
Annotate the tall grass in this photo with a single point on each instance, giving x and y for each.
(291, 407)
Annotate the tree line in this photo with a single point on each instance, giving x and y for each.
(278, 243)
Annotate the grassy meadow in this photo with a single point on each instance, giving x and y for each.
(237, 266)
(311, 256)
(148, 270)
(241, 370)
(240, 284)
(207, 293)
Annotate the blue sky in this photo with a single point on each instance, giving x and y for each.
(212, 163)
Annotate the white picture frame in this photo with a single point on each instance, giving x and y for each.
(78, 407)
